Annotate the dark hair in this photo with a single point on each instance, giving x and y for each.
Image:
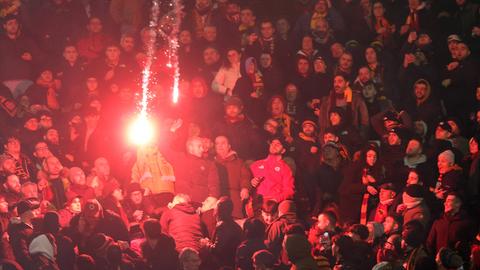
(254, 229)
(270, 206)
(152, 228)
(332, 217)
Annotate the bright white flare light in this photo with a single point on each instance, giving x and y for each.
(141, 131)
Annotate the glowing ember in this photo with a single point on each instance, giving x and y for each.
(141, 131)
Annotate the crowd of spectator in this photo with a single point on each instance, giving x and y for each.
(309, 134)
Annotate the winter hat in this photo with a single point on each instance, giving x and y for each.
(445, 126)
(132, 187)
(27, 205)
(311, 122)
(449, 155)
(453, 37)
(415, 191)
(449, 258)
(392, 116)
(297, 247)
(413, 233)
(43, 245)
(286, 207)
(264, 257)
(51, 222)
(235, 101)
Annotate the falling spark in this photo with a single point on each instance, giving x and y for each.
(173, 48)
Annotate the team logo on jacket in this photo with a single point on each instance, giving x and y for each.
(277, 169)
(202, 168)
(261, 167)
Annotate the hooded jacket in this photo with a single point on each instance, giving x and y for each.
(43, 253)
(298, 252)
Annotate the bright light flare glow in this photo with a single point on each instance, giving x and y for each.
(141, 131)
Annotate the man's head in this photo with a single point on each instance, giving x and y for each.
(30, 122)
(271, 126)
(371, 55)
(452, 204)
(443, 131)
(222, 146)
(463, 51)
(102, 167)
(70, 53)
(309, 127)
(337, 50)
(263, 260)
(266, 60)
(330, 136)
(3, 205)
(195, 146)
(303, 66)
(390, 225)
(266, 29)
(210, 33)
(387, 192)
(94, 25)
(12, 145)
(127, 42)
(28, 209)
(269, 211)
(346, 61)
(46, 120)
(52, 166)
(52, 136)
(135, 193)
(326, 221)
(112, 53)
(364, 74)
(321, 6)
(7, 164)
(77, 176)
(394, 138)
(190, 258)
(283, 26)
(291, 92)
(210, 56)
(247, 17)
(12, 184)
(75, 205)
(414, 148)
(276, 147)
(277, 105)
(340, 84)
(421, 89)
(11, 26)
(29, 190)
(319, 65)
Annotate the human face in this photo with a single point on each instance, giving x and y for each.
(424, 39)
(319, 66)
(303, 66)
(267, 30)
(12, 146)
(52, 136)
(413, 148)
(185, 37)
(246, 17)
(102, 167)
(339, 84)
(268, 217)
(371, 157)
(276, 148)
(277, 107)
(473, 146)
(307, 43)
(371, 56)
(441, 134)
(210, 33)
(31, 124)
(345, 62)
(210, 56)
(393, 139)
(92, 84)
(232, 111)
(378, 10)
(222, 147)
(13, 183)
(386, 194)
(195, 148)
(198, 90)
(308, 129)
(250, 68)
(412, 179)
(455, 128)
(329, 137)
(291, 92)
(191, 262)
(70, 54)
(271, 126)
(9, 166)
(265, 60)
(364, 74)
(233, 57)
(337, 50)
(11, 27)
(46, 75)
(118, 194)
(53, 166)
(335, 119)
(127, 43)
(136, 197)
(389, 225)
(452, 48)
(76, 206)
(46, 121)
(113, 53)
(443, 164)
(78, 177)
(322, 26)
(3, 205)
(420, 91)
(323, 222)
(95, 25)
(41, 150)
(452, 204)
(462, 51)
(321, 6)
(283, 26)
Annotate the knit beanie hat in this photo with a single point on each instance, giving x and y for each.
(449, 155)
(415, 191)
(297, 247)
(449, 258)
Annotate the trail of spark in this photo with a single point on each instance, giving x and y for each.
(173, 47)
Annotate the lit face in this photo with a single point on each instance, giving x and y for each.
(268, 217)
(52, 136)
(323, 222)
(53, 166)
(413, 148)
(233, 57)
(271, 126)
(92, 84)
(339, 84)
(195, 147)
(291, 92)
(8, 166)
(345, 62)
(222, 146)
(250, 68)
(335, 119)
(12, 146)
(452, 204)
(462, 51)
(378, 10)
(452, 48)
(389, 225)
(95, 25)
(112, 53)
(308, 129)
(31, 124)
(46, 121)
(13, 183)
(77, 176)
(371, 56)
(386, 194)
(371, 157)
(70, 54)
(246, 17)
(185, 37)
(276, 148)
(364, 74)
(232, 111)
(283, 26)
(76, 206)
(265, 60)
(198, 91)
(210, 33)
(303, 66)
(337, 50)
(127, 43)
(329, 137)
(442, 134)
(3, 205)
(41, 150)
(307, 43)
(267, 30)
(11, 27)
(46, 75)
(136, 197)
(420, 90)
(319, 66)
(321, 6)
(210, 56)
(443, 164)
(393, 139)
(473, 146)
(102, 167)
(413, 179)
(277, 106)
(424, 39)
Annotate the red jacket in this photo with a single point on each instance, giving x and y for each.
(278, 183)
